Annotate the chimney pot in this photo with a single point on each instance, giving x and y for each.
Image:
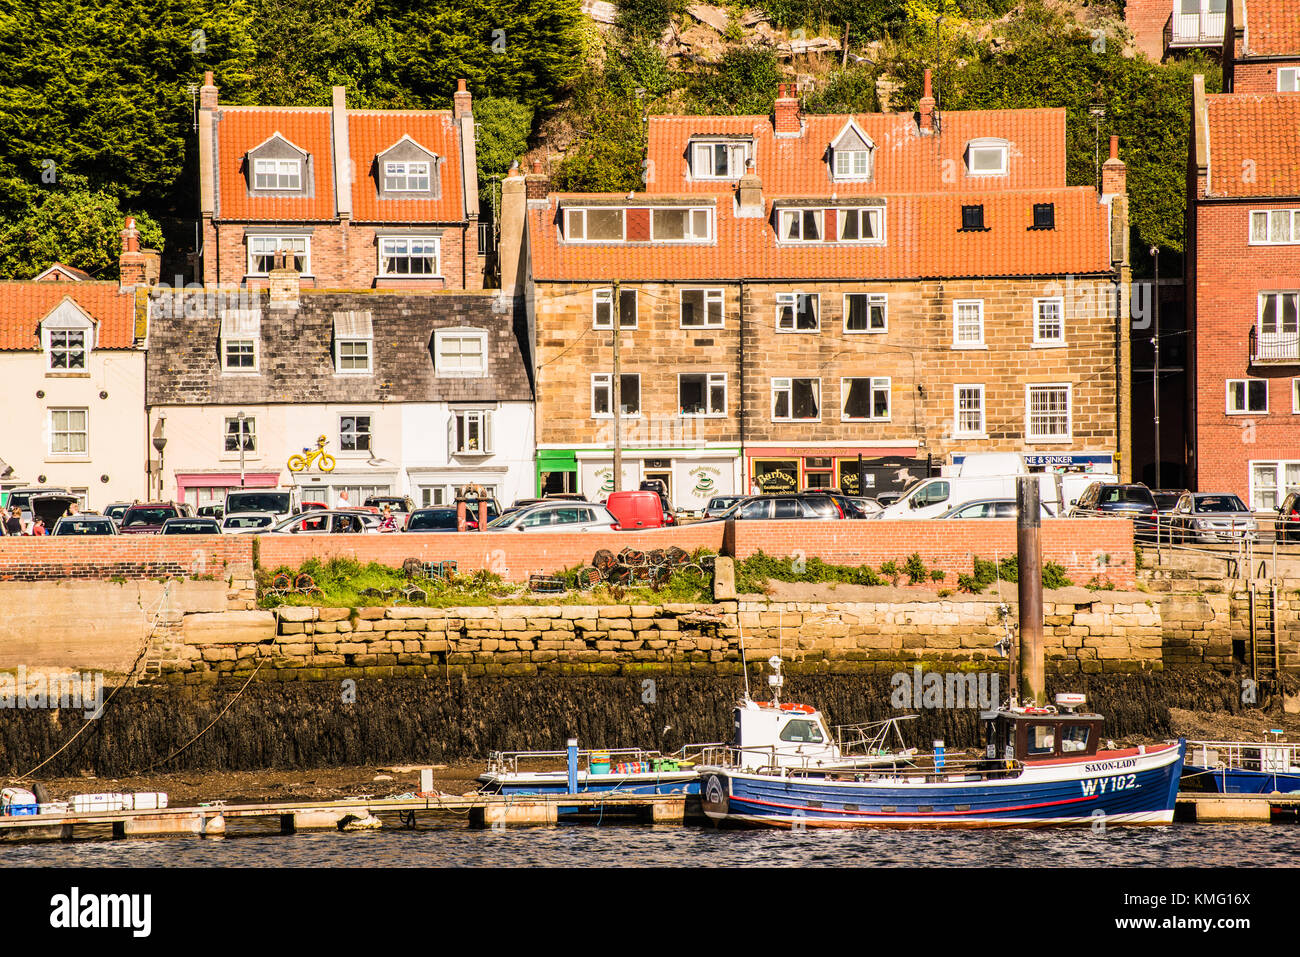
(208, 92)
(284, 281)
(462, 101)
(132, 262)
(1114, 172)
(785, 112)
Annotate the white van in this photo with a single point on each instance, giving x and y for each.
(280, 502)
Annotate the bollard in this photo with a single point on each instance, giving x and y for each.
(938, 755)
(1029, 561)
(573, 765)
(461, 523)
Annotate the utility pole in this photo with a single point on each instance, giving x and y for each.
(616, 388)
(1030, 581)
(1155, 369)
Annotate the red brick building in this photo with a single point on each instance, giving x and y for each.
(1243, 290)
(1261, 47)
(362, 198)
(798, 290)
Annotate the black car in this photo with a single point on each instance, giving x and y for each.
(793, 505)
(190, 526)
(852, 506)
(1102, 499)
(1288, 519)
(84, 525)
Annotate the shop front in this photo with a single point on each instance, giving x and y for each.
(1102, 463)
(209, 488)
(441, 486)
(345, 487)
(557, 471)
(691, 476)
(868, 470)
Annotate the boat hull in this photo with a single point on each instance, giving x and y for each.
(668, 782)
(1123, 787)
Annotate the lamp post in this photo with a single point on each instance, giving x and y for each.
(1155, 368)
(241, 419)
(160, 443)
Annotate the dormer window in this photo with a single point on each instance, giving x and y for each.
(723, 159)
(277, 174)
(593, 225)
(680, 224)
(67, 335)
(851, 153)
(353, 335)
(408, 177)
(800, 225)
(986, 157)
(861, 224)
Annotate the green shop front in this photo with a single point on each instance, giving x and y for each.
(692, 476)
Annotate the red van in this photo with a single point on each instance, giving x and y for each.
(636, 509)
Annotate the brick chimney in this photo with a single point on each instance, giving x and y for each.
(1114, 173)
(208, 93)
(749, 194)
(537, 184)
(462, 102)
(284, 282)
(514, 213)
(785, 115)
(925, 108)
(132, 261)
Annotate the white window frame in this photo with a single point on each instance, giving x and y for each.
(845, 170)
(84, 432)
(875, 384)
(1295, 396)
(356, 432)
(456, 332)
(957, 431)
(338, 356)
(1039, 338)
(277, 240)
(1281, 489)
(692, 235)
(875, 213)
(459, 425)
(711, 379)
(249, 435)
(85, 348)
(391, 247)
(1293, 72)
(278, 170)
(1039, 438)
(604, 296)
(605, 380)
(1228, 396)
(957, 341)
(783, 215)
(237, 370)
(712, 294)
(873, 299)
(1290, 216)
(975, 147)
(786, 383)
(409, 171)
(790, 300)
(574, 215)
(737, 152)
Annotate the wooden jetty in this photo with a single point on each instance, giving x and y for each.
(1207, 808)
(483, 811)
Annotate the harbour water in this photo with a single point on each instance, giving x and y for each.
(453, 845)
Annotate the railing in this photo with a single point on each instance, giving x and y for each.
(1280, 348)
(1193, 29)
(507, 762)
(871, 738)
(1266, 757)
(487, 239)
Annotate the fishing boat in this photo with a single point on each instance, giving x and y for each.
(622, 771)
(1042, 766)
(1243, 767)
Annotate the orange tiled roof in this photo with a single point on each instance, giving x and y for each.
(1254, 144)
(371, 132)
(905, 161)
(240, 129)
(921, 231)
(1272, 27)
(24, 304)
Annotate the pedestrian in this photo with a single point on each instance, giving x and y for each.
(388, 523)
(38, 527)
(14, 524)
(73, 510)
(343, 499)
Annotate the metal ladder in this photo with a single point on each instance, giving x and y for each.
(1263, 630)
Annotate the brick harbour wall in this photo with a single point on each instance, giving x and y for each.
(121, 557)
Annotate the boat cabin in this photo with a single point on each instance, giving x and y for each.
(1040, 734)
(783, 734)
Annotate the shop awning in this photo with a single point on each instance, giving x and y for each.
(556, 460)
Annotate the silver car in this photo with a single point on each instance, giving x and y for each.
(557, 517)
(1212, 517)
(991, 508)
(328, 522)
(248, 523)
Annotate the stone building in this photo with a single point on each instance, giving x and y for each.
(362, 198)
(1243, 289)
(416, 393)
(798, 291)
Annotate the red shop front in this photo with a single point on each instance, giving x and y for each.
(773, 469)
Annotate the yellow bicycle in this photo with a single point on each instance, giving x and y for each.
(300, 463)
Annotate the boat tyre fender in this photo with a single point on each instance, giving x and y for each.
(800, 708)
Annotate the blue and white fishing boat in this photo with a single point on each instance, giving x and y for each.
(1243, 767)
(622, 771)
(1042, 766)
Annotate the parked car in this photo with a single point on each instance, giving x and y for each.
(659, 488)
(116, 511)
(328, 522)
(887, 499)
(719, 504)
(441, 518)
(794, 505)
(22, 497)
(853, 506)
(1120, 501)
(400, 504)
(557, 517)
(642, 509)
(49, 507)
(147, 518)
(84, 525)
(190, 526)
(1212, 517)
(279, 501)
(1287, 523)
(993, 508)
(1167, 498)
(248, 523)
(211, 511)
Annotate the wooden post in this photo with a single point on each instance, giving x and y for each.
(1031, 590)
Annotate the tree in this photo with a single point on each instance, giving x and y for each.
(503, 127)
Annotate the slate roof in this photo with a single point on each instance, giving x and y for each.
(1254, 144)
(25, 303)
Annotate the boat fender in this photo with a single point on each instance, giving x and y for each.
(800, 708)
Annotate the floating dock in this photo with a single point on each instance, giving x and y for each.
(1238, 808)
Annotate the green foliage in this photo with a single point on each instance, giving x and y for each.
(646, 18)
(502, 126)
(71, 224)
(915, 569)
(1008, 570)
(753, 573)
(937, 575)
(743, 82)
(848, 91)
